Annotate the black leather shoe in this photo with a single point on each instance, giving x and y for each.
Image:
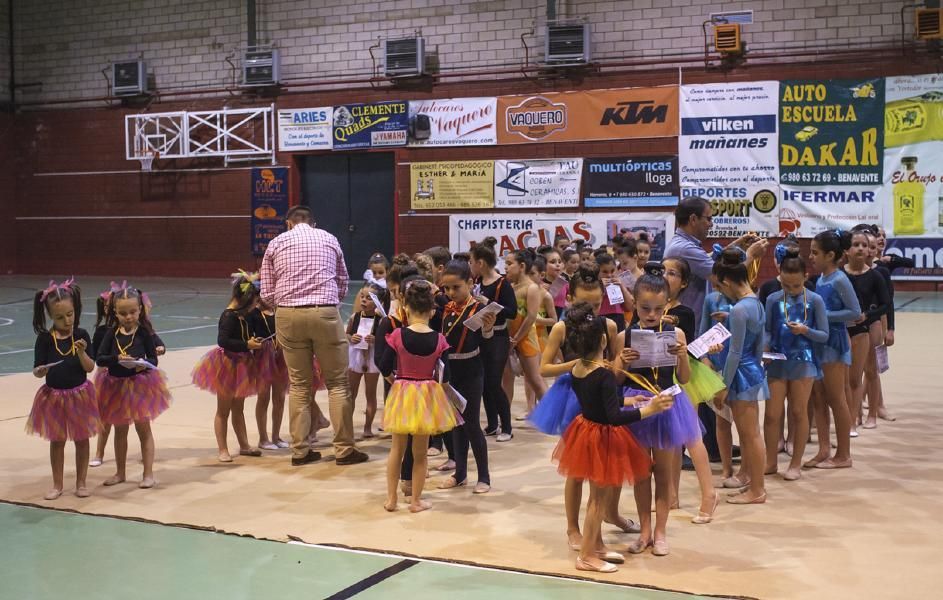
(355, 456)
(310, 457)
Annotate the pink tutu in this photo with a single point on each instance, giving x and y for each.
(232, 374)
(272, 369)
(141, 397)
(100, 373)
(63, 415)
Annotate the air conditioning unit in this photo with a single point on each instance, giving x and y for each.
(129, 78)
(260, 67)
(927, 22)
(727, 38)
(405, 57)
(567, 44)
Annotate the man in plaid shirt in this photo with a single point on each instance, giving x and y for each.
(304, 276)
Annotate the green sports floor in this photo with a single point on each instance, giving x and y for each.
(49, 554)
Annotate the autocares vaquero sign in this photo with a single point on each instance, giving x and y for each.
(615, 114)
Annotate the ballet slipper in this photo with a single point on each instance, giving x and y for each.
(421, 505)
(224, 457)
(885, 416)
(482, 488)
(82, 492)
(610, 557)
(627, 525)
(114, 480)
(660, 548)
(735, 482)
(789, 449)
(792, 474)
(52, 494)
(574, 540)
(448, 465)
(147, 483)
(268, 446)
(452, 483)
(582, 565)
(639, 546)
(871, 423)
(255, 452)
(831, 463)
(433, 451)
(814, 461)
(95, 462)
(772, 471)
(406, 487)
(282, 444)
(368, 435)
(703, 518)
(389, 506)
(742, 499)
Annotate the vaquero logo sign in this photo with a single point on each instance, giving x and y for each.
(536, 118)
(635, 112)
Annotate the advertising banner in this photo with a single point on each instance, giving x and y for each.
(515, 231)
(830, 132)
(453, 122)
(537, 183)
(616, 114)
(458, 184)
(631, 181)
(728, 154)
(269, 202)
(912, 195)
(305, 129)
(370, 125)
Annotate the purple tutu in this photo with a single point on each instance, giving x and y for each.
(678, 426)
(231, 374)
(63, 415)
(126, 400)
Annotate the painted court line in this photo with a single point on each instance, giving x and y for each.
(378, 577)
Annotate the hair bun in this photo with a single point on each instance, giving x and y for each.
(732, 257)
(654, 268)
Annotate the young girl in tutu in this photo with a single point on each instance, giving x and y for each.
(703, 385)
(668, 431)
(272, 377)
(104, 320)
(65, 407)
(795, 322)
(596, 445)
(361, 360)
(417, 404)
(560, 406)
(743, 370)
(131, 392)
(230, 370)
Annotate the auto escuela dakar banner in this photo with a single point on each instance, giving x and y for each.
(269, 203)
(912, 194)
(376, 125)
(728, 154)
(615, 114)
(515, 231)
(831, 137)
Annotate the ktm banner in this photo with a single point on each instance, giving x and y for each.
(588, 115)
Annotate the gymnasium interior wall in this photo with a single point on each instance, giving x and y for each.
(73, 188)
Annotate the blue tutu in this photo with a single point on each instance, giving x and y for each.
(749, 382)
(792, 370)
(678, 426)
(838, 346)
(558, 407)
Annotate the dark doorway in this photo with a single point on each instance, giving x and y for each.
(352, 197)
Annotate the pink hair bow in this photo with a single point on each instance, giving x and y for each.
(112, 288)
(54, 288)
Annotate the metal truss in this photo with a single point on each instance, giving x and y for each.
(241, 134)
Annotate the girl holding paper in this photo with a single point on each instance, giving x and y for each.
(614, 290)
(743, 369)
(796, 320)
(466, 373)
(230, 370)
(361, 335)
(64, 407)
(133, 390)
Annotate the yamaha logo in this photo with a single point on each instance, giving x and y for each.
(536, 118)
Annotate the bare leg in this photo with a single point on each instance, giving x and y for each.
(873, 378)
(221, 426)
(799, 392)
(674, 481)
(662, 475)
(147, 450)
(531, 366)
(420, 445)
(239, 424)
(833, 378)
(261, 414)
(57, 460)
(81, 467)
(278, 412)
(572, 497)
(860, 348)
(507, 383)
(775, 407)
(820, 402)
(370, 389)
(121, 455)
(702, 467)
(393, 463)
(643, 504)
(101, 444)
(724, 431)
(611, 511)
(592, 526)
(746, 415)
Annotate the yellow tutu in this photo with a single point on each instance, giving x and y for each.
(704, 383)
(419, 408)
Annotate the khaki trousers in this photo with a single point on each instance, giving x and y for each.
(304, 333)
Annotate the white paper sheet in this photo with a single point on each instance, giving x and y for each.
(717, 334)
(474, 322)
(615, 294)
(135, 363)
(652, 347)
(363, 330)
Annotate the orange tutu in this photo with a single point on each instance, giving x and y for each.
(606, 455)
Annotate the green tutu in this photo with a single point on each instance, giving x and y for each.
(704, 383)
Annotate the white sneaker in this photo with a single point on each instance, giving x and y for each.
(95, 462)
(504, 437)
(282, 444)
(268, 446)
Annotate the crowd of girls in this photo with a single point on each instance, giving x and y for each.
(811, 346)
